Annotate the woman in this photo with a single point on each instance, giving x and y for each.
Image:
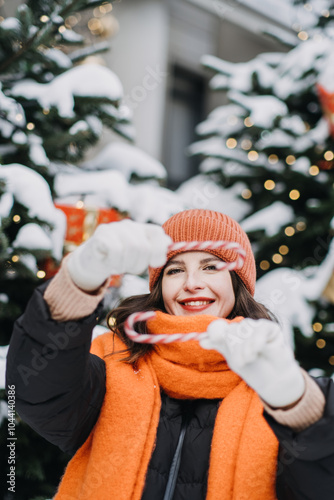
(231, 417)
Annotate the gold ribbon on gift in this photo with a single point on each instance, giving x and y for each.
(90, 222)
(328, 293)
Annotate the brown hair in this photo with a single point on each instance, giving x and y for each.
(245, 305)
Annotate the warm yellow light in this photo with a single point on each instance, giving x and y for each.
(46, 111)
(18, 117)
(289, 231)
(80, 204)
(246, 144)
(15, 258)
(231, 143)
(248, 122)
(320, 343)
(44, 19)
(71, 21)
(61, 29)
(331, 360)
(300, 226)
(273, 159)
(246, 194)
(107, 7)
(30, 126)
(98, 12)
(269, 184)
(317, 327)
(294, 194)
(94, 24)
(329, 155)
(325, 13)
(111, 321)
(290, 160)
(253, 155)
(277, 258)
(16, 218)
(302, 35)
(264, 265)
(40, 274)
(283, 249)
(313, 170)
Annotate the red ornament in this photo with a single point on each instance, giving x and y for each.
(325, 164)
(326, 99)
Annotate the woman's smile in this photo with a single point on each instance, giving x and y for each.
(196, 303)
(192, 284)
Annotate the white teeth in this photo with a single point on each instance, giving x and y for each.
(198, 303)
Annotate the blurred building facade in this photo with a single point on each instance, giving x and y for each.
(157, 53)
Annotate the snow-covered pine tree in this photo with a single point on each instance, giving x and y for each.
(64, 103)
(53, 107)
(273, 142)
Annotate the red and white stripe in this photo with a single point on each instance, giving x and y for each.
(163, 338)
(186, 246)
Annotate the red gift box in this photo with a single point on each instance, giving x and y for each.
(82, 221)
(81, 224)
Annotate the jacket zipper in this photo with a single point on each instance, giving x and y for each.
(175, 466)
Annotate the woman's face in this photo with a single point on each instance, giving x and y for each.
(192, 285)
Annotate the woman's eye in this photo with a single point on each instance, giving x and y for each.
(211, 267)
(175, 270)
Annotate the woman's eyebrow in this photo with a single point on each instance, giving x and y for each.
(204, 261)
(172, 262)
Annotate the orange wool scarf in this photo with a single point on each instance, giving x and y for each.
(112, 463)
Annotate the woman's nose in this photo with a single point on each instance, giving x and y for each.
(193, 282)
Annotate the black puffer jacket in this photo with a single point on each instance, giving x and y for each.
(197, 419)
(60, 388)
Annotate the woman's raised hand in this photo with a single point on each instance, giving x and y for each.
(117, 248)
(256, 350)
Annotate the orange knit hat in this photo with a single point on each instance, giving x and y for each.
(203, 225)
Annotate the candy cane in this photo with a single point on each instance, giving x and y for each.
(163, 338)
(186, 246)
(145, 338)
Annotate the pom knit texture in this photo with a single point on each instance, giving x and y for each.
(205, 225)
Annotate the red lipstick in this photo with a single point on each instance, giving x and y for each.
(196, 304)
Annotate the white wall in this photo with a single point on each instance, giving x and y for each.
(193, 33)
(8, 7)
(139, 56)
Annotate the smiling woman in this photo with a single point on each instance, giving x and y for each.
(206, 420)
(192, 284)
(233, 291)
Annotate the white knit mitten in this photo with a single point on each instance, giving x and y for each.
(117, 248)
(257, 352)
